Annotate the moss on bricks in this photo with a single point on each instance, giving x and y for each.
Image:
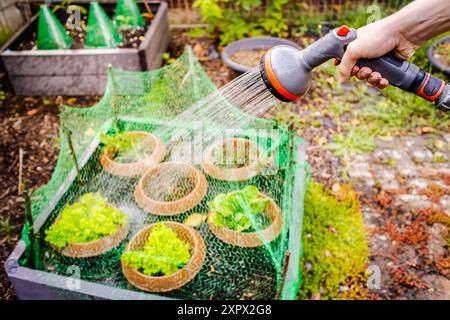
(335, 252)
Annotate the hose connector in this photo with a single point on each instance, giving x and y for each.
(443, 102)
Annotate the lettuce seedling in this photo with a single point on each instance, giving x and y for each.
(89, 219)
(126, 148)
(164, 253)
(238, 210)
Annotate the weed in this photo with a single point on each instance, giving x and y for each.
(7, 230)
(354, 140)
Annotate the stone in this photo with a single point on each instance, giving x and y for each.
(417, 183)
(422, 155)
(414, 202)
(437, 243)
(386, 176)
(360, 170)
(445, 203)
(440, 284)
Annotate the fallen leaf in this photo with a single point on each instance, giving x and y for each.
(438, 143)
(424, 130)
(336, 187)
(32, 112)
(315, 296)
(195, 219)
(72, 100)
(211, 270)
(89, 132)
(354, 122)
(322, 140)
(147, 15)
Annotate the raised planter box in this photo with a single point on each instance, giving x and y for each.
(55, 280)
(81, 71)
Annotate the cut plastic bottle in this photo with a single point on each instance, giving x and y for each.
(100, 30)
(127, 15)
(51, 33)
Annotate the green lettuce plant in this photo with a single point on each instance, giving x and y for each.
(239, 210)
(125, 148)
(89, 219)
(164, 253)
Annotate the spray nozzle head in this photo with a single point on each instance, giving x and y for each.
(285, 73)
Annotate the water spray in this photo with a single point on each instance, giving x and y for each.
(286, 71)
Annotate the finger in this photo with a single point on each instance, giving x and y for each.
(383, 83)
(364, 73)
(374, 78)
(355, 70)
(348, 61)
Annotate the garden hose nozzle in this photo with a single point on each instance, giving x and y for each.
(286, 70)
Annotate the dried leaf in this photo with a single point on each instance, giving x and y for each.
(195, 220)
(89, 132)
(438, 143)
(32, 112)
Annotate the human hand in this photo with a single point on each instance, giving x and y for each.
(373, 41)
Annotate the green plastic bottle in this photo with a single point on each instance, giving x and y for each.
(127, 15)
(51, 34)
(100, 30)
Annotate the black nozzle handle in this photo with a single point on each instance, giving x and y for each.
(402, 74)
(406, 76)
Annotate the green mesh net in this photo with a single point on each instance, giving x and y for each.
(127, 15)
(51, 34)
(100, 30)
(176, 165)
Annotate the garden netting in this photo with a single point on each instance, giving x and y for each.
(176, 185)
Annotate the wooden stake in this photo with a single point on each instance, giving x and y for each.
(283, 274)
(147, 7)
(74, 155)
(29, 220)
(19, 187)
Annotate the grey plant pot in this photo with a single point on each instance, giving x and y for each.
(434, 62)
(263, 43)
(82, 71)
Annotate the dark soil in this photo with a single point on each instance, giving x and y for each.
(167, 187)
(249, 58)
(130, 38)
(30, 124)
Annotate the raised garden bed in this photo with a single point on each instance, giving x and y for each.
(81, 71)
(243, 273)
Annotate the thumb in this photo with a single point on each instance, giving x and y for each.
(348, 61)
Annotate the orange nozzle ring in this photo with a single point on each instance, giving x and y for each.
(274, 81)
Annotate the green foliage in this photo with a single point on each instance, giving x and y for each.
(87, 220)
(117, 144)
(274, 21)
(163, 254)
(237, 21)
(238, 210)
(353, 140)
(335, 249)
